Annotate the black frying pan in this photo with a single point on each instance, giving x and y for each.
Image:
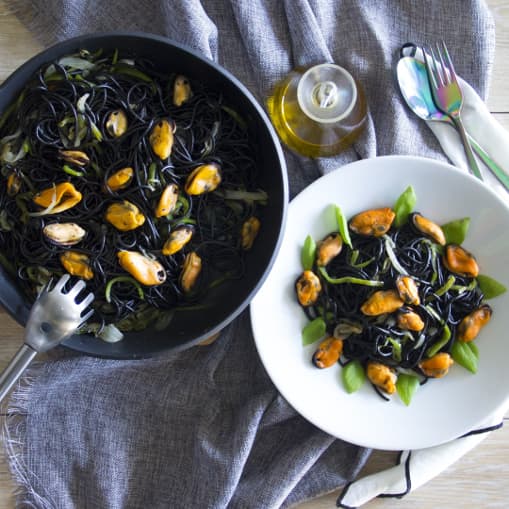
(227, 301)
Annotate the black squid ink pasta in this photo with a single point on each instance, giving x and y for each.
(395, 303)
(144, 184)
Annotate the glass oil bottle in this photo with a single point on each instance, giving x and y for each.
(319, 111)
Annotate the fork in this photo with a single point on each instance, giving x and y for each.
(447, 95)
(54, 316)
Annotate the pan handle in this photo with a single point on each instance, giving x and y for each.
(13, 371)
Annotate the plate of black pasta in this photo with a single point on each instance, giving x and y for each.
(149, 172)
(382, 320)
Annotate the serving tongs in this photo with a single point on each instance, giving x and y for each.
(414, 84)
(55, 316)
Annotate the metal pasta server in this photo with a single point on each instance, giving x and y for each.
(415, 88)
(54, 316)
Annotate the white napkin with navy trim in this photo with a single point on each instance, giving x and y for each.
(415, 468)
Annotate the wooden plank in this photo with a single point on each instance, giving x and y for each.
(498, 100)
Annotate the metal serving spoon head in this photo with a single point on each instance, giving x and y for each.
(415, 89)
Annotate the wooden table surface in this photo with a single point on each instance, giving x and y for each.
(481, 478)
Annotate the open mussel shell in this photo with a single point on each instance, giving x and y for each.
(64, 234)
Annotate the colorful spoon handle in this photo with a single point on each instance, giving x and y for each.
(499, 173)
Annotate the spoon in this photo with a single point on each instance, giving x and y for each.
(415, 89)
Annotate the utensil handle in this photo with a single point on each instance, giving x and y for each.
(468, 149)
(499, 173)
(13, 371)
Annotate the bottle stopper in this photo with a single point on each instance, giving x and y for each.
(327, 93)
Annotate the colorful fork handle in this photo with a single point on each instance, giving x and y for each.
(472, 163)
(499, 173)
(13, 371)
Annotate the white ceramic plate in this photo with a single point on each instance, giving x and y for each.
(442, 409)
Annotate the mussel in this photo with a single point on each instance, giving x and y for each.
(203, 179)
(382, 376)
(408, 319)
(374, 222)
(460, 261)
(308, 288)
(64, 234)
(177, 240)
(116, 124)
(190, 271)
(471, 325)
(13, 184)
(437, 366)
(382, 302)
(428, 228)
(161, 139)
(148, 271)
(77, 157)
(249, 231)
(120, 179)
(328, 353)
(407, 290)
(124, 216)
(181, 90)
(328, 248)
(77, 264)
(345, 328)
(167, 201)
(58, 198)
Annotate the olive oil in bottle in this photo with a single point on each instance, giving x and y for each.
(319, 111)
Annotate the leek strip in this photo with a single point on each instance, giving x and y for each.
(462, 288)
(434, 314)
(249, 196)
(434, 349)
(446, 287)
(71, 171)
(240, 121)
(123, 279)
(128, 70)
(96, 132)
(354, 255)
(389, 248)
(110, 334)
(396, 349)
(348, 279)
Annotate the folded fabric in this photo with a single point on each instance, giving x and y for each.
(206, 427)
(415, 468)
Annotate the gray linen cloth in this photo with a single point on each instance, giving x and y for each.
(206, 427)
